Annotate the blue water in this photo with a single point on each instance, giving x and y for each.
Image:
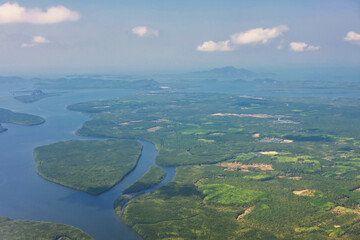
(25, 195)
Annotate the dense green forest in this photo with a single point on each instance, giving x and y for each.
(8, 116)
(23, 229)
(151, 178)
(263, 168)
(90, 166)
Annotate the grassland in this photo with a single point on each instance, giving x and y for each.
(8, 116)
(151, 178)
(23, 229)
(89, 166)
(275, 148)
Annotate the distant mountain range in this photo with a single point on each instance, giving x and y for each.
(215, 74)
(224, 72)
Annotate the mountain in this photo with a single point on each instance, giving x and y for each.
(223, 73)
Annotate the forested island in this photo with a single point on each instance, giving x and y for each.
(8, 116)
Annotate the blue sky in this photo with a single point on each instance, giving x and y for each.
(173, 36)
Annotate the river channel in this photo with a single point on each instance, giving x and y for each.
(25, 195)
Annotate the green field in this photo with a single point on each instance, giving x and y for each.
(23, 229)
(8, 116)
(151, 178)
(89, 166)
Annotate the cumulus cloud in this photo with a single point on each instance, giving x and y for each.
(14, 13)
(143, 31)
(211, 46)
(35, 41)
(258, 35)
(252, 36)
(302, 47)
(352, 37)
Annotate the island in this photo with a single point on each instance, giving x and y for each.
(8, 116)
(34, 96)
(92, 166)
(23, 229)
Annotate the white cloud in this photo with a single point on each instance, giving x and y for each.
(35, 41)
(302, 47)
(211, 46)
(143, 31)
(258, 35)
(252, 36)
(352, 37)
(14, 13)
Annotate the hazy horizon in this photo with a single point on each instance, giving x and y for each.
(115, 37)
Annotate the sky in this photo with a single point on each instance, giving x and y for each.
(85, 36)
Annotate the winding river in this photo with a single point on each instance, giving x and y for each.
(25, 195)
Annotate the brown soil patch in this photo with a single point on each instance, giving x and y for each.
(256, 135)
(154, 129)
(329, 158)
(128, 123)
(216, 134)
(305, 192)
(231, 166)
(247, 211)
(295, 178)
(269, 153)
(292, 178)
(275, 140)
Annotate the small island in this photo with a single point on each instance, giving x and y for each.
(34, 96)
(8, 116)
(91, 166)
(23, 229)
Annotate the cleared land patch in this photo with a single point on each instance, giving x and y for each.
(224, 194)
(232, 166)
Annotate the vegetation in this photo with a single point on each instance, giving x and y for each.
(7, 116)
(263, 168)
(225, 194)
(89, 166)
(151, 178)
(23, 229)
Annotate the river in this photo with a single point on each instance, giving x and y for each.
(25, 195)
